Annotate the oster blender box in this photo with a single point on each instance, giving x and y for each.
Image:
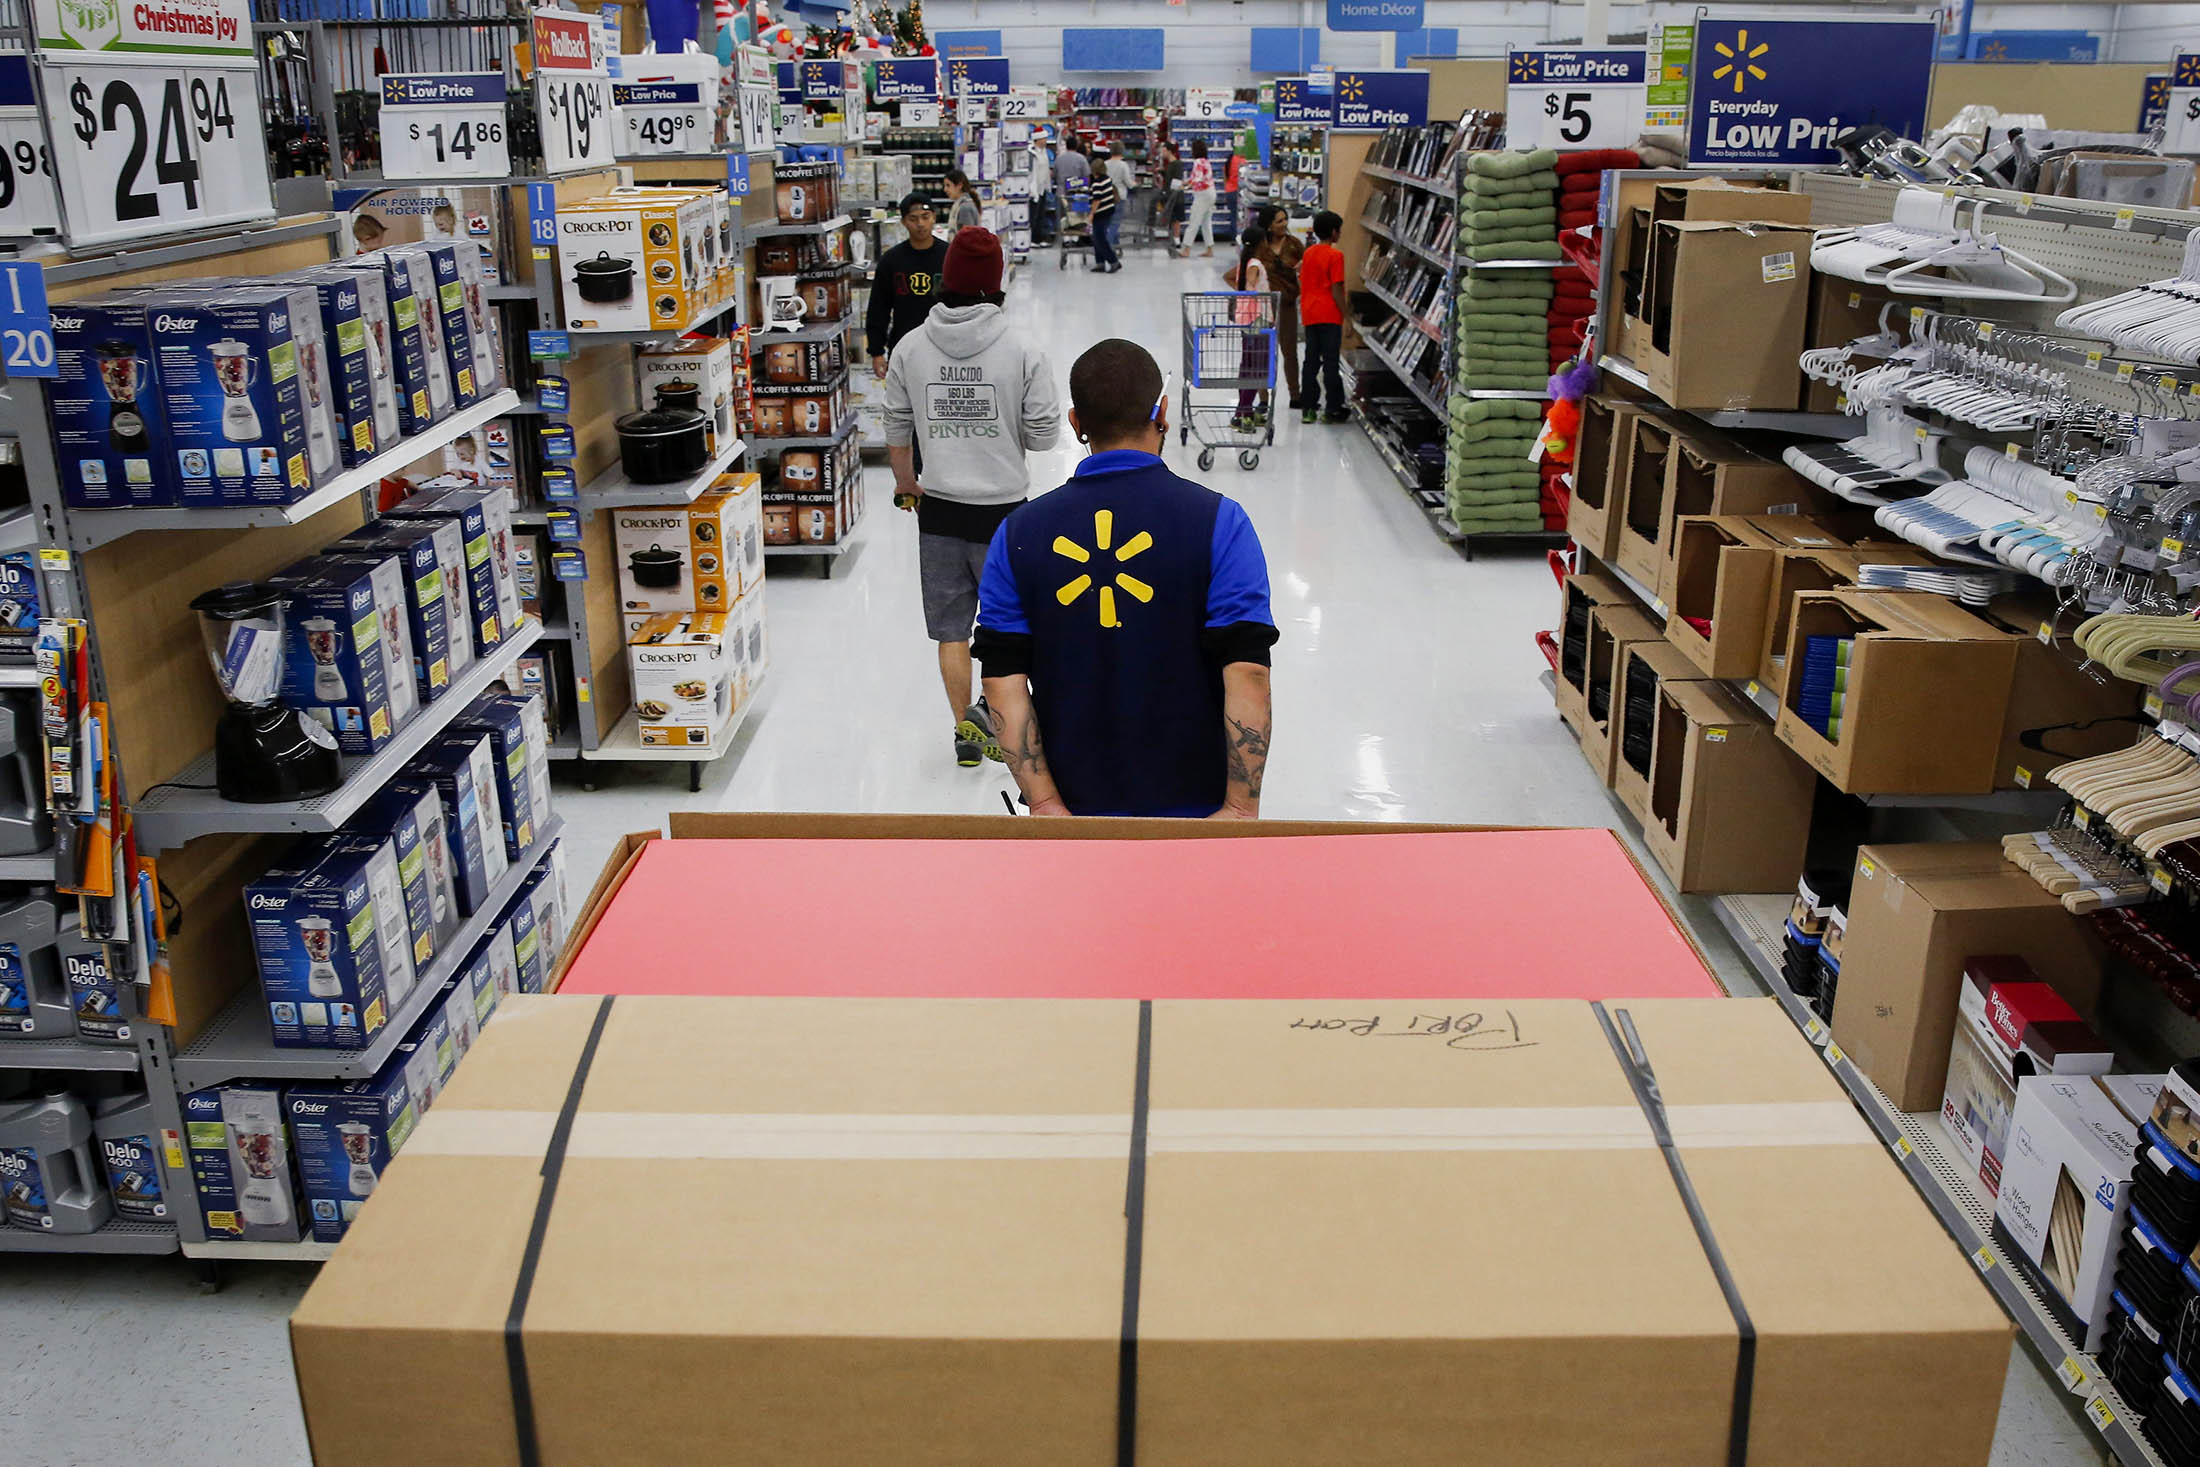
(412, 264)
(110, 440)
(519, 921)
(386, 567)
(427, 610)
(346, 345)
(457, 327)
(318, 946)
(411, 387)
(483, 517)
(332, 657)
(411, 813)
(534, 718)
(448, 535)
(514, 776)
(345, 1134)
(325, 432)
(473, 274)
(463, 771)
(227, 367)
(240, 1163)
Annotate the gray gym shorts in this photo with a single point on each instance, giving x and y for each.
(948, 569)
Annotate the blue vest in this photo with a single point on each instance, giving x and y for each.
(1112, 570)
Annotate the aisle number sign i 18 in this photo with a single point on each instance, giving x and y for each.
(28, 204)
(1575, 99)
(156, 109)
(444, 125)
(661, 116)
(572, 91)
(2181, 128)
(1778, 92)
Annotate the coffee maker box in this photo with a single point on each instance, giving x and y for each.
(519, 922)
(410, 389)
(240, 1163)
(507, 734)
(452, 328)
(332, 658)
(352, 363)
(110, 437)
(345, 1135)
(447, 532)
(410, 817)
(427, 612)
(535, 722)
(227, 366)
(318, 946)
(462, 768)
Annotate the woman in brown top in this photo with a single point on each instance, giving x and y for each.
(1281, 256)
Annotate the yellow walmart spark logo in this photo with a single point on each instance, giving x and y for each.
(1103, 536)
(1351, 88)
(2188, 71)
(1523, 66)
(1740, 60)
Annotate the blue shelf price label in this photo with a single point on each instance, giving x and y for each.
(564, 525)
(553, 394)
(737, 175)
(557, 442)
(569, 565)
(549, 345)
(558, 484)
(26, 325)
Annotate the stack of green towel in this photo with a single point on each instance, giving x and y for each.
(1492, 485)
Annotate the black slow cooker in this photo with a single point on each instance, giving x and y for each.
(605, 279)
(662, 445)
(655, 569)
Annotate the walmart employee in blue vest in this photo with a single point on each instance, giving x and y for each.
(1123, 622)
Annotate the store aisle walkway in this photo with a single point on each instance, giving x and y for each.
(1405, 689)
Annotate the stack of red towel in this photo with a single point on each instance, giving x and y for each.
(1573, 298)
(1555, 496)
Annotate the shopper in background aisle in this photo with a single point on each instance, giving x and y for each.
(979, 397)
(962, 204)
(1172, 189)
(1126, 184)
(1105, 209)
(1284, 254)
(1070, 163)
(1321, 306)
(1250, 274)
(1125, 626)
(906, 285)
(1199, 183)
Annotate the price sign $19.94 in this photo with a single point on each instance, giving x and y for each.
(149, 149)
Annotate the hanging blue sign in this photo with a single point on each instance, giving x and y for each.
(2153, 101)
(1779, 91)
(980, 76)
(1298, 104)
(1376, 15)
(790, 81)
(824, 81)
(737, 175)
(1369, 101)
(967, 45)
(2033, 46)
(901, 77)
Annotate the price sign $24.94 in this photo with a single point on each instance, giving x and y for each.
(148, 149)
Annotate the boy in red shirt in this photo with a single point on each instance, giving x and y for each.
(1321, 311)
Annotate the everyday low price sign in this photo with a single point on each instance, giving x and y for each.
(1767, 91)
(979, 76)
(1369, 101)
(2181, 123)
(1298, 104)
(906, 76)
(1575, 99)
(444, 125)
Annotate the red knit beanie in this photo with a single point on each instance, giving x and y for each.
(973, 263)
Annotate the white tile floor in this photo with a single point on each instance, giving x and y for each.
(1405, 690)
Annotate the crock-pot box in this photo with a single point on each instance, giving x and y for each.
(800, 412)
(921, 1204)
(619, 264)
(684, 675)
(432, 215)
(743, 519)
(706, 366)
(680, 557)
(805, 193)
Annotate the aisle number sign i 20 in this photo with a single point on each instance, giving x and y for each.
(2181, 127)
(1298, 104)
(1369, 101)
(28, 204)
(1779, 91)
(156, 113)
(1568, 99)
(899, 77)
(448, 125)
(978, 76)
(26, 325)
(572, 91)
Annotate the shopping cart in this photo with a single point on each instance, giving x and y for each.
(1075, 231)
(1229, 342)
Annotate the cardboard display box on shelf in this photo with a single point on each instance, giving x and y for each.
(1650, 665)
(1269, 1334)
(1812, 568)
(1709, 473)
(1727, 307)
(1612, 629)
(1729, 805)
(2057, 712)
(1638, 477)
(1600, 453)
(1639, 204)
(1916, 914)
(1723, 571)
(1924, 693)
(2009, 1025)
(1578, 595)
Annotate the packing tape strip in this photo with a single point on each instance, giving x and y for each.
(673, 1135)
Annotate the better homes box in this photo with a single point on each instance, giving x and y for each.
(900, 1235)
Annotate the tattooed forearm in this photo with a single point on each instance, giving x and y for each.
(1026, 755)
(1248, 748)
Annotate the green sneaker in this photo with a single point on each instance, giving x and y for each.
(977, 728)
(1308, 416)
(969, 747)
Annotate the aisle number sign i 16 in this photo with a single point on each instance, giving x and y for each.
(1574, 99)
(28, 204)
(155, 110)
(572, 91)
(444, 125)
(2181, 127)
(1778, 92)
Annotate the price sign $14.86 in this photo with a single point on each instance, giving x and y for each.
(149, 149)
(444, 125)
(576, 120)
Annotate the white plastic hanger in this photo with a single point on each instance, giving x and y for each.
(1926, 249)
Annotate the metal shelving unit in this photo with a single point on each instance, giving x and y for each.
(67, 1054)
(1436, 186)
(122, 1235)
(1427, 398)
(822, 226)
(614, 490)
(1418, 251)
(624, 742)
(1418, 322)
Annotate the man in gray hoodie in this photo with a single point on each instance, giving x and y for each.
(978, 397)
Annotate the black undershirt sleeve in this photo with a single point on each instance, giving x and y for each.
(1240, 641)
(1004, 654)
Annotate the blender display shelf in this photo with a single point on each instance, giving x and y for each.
(172, 815)
(94, 527)
(66, 1054)
(120, 1235)
(614, 490)
(239, 1045)
(1754, 922)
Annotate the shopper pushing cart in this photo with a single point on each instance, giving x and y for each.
(1229, 342)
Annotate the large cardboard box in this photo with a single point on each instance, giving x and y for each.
(1915, 913)
(1612, 629)
(926, 1232)
(1709, 473)
(1927, 691)
(1814, 568)
(2057, 712)
(1842, 311)
(1641, 475)
(1639, 200)
(1578, 595)
(1723, 572)
(1728, 805)
(1634, 723)
(1600, 448)
(1728, 303)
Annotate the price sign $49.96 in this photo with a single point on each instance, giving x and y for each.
(150, 148)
